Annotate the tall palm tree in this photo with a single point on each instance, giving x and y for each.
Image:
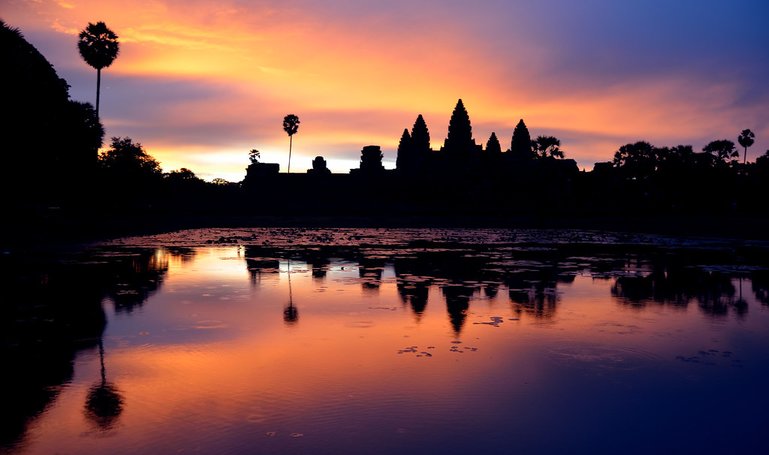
(99, 47)
(746, 139)
(290, 126)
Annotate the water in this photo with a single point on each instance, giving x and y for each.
(292, 341)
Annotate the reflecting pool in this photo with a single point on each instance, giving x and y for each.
(335, 341)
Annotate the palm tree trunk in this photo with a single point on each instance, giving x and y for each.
(745, 157)
(98, 89)
(290, 146)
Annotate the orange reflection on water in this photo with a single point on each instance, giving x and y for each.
(211, 358)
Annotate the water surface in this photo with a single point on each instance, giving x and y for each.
(389, 341)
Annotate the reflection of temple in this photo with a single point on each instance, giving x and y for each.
(534, 291)
(468, 276)
(679, 285)
(414, 291)
(536, 301)
(457, 303)
(370, 272)
(260, 266)
(531, 277)
(319, 266)
(262, 262)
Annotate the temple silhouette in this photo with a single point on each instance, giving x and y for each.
(459, 176)
(460, 157)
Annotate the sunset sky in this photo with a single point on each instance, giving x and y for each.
(200, 83)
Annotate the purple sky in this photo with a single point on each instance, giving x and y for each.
(200, 83)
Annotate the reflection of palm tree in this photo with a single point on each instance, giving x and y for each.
(290, 126)
(99, 47)
(104, 403)
(741, 305)
(290, 313)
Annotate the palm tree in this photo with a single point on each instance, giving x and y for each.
(99, 48)
(746, 139)
(290, 126)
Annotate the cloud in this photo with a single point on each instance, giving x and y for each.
(201, 82)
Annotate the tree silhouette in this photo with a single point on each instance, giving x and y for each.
(746, 139)
(492, 146)
(84, 122)
(679, 157)
(253, 156)
(43, 129)
(638, 160)
(521, 146)
(99, 47)
(130, 174)
(290, 126)
(548, 146)
(126, 156)
(182, 176)
(763, 160)
(722, 151)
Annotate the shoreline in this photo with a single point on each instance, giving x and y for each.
(62, 230)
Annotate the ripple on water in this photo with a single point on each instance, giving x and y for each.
(209, 325)
(360, 324)
(603, 357)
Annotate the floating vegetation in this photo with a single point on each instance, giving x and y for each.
(416, 351)
(495, 321)
(711, 357)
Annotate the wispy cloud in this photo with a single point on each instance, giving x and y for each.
(197, 80)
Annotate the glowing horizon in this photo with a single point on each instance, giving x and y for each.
(201, 83)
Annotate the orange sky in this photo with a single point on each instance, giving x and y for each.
(200, 83)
